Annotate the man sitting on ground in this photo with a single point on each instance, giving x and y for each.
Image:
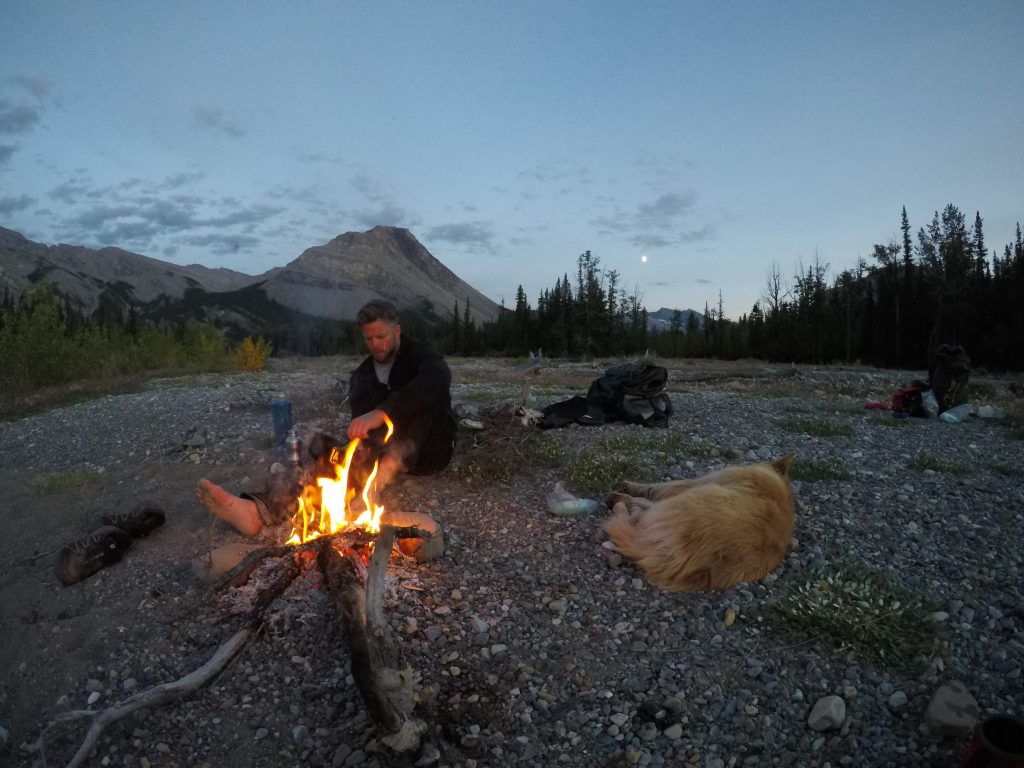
(403, 379)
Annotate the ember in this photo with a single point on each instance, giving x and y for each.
(333, 506)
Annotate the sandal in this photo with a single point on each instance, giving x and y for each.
(140, 521)
(89, 554)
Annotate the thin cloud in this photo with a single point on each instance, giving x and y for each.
(471, 235)
(215, 120)
(390, 214)
(72, 190)
(177, 180)
(658, 223)
(224, 245)
(369, 186)
(252, 215)
(99, 216)
(385, 209)
(7, 152)
(37, 85)
(17, 119)
(9, 205)
(666, 209)
(142, 216)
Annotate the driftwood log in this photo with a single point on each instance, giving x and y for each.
(387, 688)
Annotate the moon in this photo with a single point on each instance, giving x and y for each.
(643, 259)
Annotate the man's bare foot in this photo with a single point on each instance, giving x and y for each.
(241, 513)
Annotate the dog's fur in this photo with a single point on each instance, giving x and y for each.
(712, 532)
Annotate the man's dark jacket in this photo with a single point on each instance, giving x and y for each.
(417, 399)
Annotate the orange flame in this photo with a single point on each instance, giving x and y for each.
(332, 511)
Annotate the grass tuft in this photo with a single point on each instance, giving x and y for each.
(928, 461)
(816, 427)
(811, 471)
(863, 609)
(55, 483)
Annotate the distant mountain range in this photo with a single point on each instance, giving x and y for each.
(661, 320)
(326, 282)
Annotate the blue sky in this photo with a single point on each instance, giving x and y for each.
(716, 139)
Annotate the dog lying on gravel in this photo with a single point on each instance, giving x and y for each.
(712, 532)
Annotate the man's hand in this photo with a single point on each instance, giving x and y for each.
(362, 425)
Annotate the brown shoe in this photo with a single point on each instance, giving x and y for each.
(142, 520)
(89, 554)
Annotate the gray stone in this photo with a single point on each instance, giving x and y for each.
(829, 712)
(952, 711)
(421, 549)
(897, 700)
(340, 755)
(210, 567)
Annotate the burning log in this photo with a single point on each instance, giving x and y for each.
(387, 689)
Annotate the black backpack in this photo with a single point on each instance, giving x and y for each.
(631, 392)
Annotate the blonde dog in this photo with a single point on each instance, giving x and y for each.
(712, 532)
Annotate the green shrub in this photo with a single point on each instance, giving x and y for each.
(926, 461)
(860, 608)
(811, 471)
(816, 427)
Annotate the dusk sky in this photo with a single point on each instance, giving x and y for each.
(715, 139)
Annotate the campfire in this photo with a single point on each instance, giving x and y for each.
(338, 528)
(332, 505)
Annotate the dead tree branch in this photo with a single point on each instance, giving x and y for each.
(178, 689)
(151, 697)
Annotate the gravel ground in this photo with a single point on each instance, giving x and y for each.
(537, 645)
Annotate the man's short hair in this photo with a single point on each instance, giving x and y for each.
(376, 309)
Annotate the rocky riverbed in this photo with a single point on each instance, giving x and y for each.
(536, 644)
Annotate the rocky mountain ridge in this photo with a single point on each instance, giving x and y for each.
(325, 282)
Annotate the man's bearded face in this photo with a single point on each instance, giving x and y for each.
(382, 340)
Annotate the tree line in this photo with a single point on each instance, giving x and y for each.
(941, 286)
(44, 341)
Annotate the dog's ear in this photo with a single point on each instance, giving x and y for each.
(782, 465)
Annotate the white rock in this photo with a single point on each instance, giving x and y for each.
(828, 712)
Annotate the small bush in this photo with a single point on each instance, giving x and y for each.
(926, 461)
(1007, 470)
(251, 355)
(594, 473)
(859, 608)
(547, 451)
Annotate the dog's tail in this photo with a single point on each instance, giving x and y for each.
(782, 465)
(624, 535)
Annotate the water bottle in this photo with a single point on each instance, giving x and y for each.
(956, 414)
(564, 504)
(931, 405)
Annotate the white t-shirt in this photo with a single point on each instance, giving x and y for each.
(383, 370)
